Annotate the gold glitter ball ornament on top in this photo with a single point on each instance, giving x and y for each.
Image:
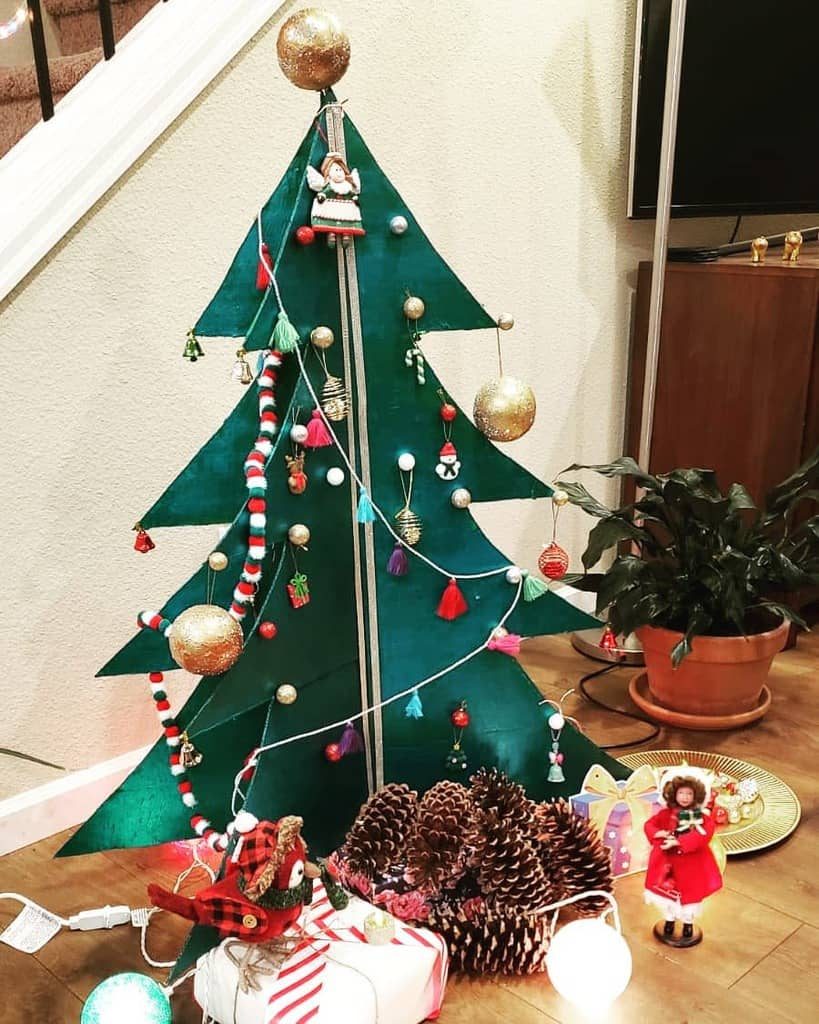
(322, 337)
(218, 561)
(506, 321)
(205, 640)
(286, 693)
(313, 49)
(504, 409)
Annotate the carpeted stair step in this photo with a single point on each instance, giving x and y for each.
(20, 98)
(78, 21)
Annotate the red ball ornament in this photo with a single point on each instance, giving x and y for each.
(333, 752)
(267, 630)
(448, 412)
(553, 561)
(305, 235)
(460, 717)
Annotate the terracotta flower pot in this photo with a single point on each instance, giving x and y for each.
(722, 676)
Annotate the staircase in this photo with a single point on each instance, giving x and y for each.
(76, 25)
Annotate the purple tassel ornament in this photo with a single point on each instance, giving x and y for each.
(351, 741)
(398, 564)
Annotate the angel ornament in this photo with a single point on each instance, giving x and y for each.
(335, 211)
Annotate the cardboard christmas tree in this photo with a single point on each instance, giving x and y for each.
(355, 633)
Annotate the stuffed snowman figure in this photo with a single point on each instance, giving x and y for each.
(449, 466)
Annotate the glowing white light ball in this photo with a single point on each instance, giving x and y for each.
(589, 964)
(127, 999)
(556, 721)
(406, 461)
(335, 476)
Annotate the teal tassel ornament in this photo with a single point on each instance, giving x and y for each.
(285, 336)
(533, 588)
(365, 513)
(414, 708)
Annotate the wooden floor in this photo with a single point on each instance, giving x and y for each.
(758, 964)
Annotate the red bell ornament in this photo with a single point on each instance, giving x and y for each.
(143, 542)
(267, 630)
(333, 752)
(553, 561)
(460, 717)
(608, 641)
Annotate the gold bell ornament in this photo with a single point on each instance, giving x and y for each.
(241, 371)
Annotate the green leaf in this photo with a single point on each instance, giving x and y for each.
(740, 498)
(624, 466)
(609, 533)
(797, 483)
(578, 495)
(786, 612)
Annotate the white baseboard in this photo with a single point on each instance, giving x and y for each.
(58, 805)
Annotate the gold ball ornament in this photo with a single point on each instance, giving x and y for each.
(461, 498)
(218, 561)
(313, 49)
(414, 307)
(205, 640)
(299, 534)
(322, 337)
(560, 498)
(286, 693)
(504, 409)
(506, 321)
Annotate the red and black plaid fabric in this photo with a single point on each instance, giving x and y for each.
(231, 914)
(256, 849)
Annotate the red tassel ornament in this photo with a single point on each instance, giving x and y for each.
(452, 603)
(264, 269)
(317, 434)
(143, 542)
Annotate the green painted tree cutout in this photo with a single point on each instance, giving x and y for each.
(317, 646)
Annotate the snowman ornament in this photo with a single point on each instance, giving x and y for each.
(449, 466)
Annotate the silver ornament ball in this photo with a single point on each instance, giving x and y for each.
(514, 574)
(461, 498)
(398, 224)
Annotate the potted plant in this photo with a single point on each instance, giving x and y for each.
(702, 583)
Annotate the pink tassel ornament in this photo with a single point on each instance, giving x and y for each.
(317, 434)
(506, 643)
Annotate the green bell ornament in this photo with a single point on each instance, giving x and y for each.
(193, 350)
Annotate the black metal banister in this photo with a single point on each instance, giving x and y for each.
(38, 44)
(107, 29)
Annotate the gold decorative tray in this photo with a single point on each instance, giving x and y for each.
(772, 816)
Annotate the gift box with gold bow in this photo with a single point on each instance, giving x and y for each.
(618, 811)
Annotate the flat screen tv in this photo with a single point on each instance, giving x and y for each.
(748, 128)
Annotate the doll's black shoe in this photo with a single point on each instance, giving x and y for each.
(688, 931)
(668, 929)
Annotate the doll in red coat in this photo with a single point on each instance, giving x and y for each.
(682, 870)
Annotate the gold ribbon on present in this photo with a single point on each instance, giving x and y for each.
(601, 783)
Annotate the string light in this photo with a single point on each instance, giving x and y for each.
(14, 23)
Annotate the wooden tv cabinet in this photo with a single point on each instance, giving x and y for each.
(738, 377)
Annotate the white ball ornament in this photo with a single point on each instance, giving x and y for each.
(335, 476)
(583, 946)
(406, 461)
(514, 574)
(298, 433)
(398, 224)
(556, 721)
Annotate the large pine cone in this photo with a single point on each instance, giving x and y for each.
(487, 941)
(509, 869)
(380, 832)
(438, 850)
(492, 790)
(573, 855)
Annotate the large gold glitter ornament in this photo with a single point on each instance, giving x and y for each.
(286, 693)
(335, 401)
(313, 49)
(409, 526)
(414, 307)
(322, 337)
(299, 534)
(218, 561)
(504, 409)
(205, 640)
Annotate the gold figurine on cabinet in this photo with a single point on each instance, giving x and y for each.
(759, 248)
(793, 245)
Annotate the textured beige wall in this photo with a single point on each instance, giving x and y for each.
(523, 104)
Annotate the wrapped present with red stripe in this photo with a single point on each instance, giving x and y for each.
(343, 967)
(298, 591)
